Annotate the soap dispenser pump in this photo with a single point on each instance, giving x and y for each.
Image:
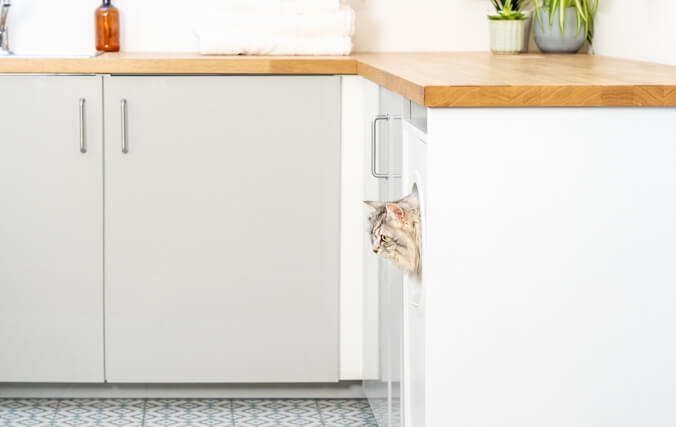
(107, 28)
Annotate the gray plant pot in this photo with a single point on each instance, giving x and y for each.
(549, 37)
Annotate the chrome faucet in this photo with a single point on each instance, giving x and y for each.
(4, 35)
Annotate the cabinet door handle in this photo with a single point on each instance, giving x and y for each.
(81, 117)
(123, 127)
(374, 148)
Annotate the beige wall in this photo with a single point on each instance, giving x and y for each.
(643, 30)
(167, 25)
(647, 32)
(421, 25)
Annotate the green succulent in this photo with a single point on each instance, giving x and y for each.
(509, 10)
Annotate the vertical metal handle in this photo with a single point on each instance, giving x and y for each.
(83, 136)
(374, 149)
(374, 139)
(123, 128)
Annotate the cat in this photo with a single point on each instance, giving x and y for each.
(395, 232)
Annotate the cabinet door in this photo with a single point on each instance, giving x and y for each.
(222, 229)
(51, 248)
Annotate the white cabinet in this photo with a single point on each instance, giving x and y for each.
(51, 261)
(549, 267)
(222, 228)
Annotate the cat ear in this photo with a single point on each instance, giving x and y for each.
(395, 214)
(411, 198)
(372, 204)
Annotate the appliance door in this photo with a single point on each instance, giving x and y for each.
(413, 179)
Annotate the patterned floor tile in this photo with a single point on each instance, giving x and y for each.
(380, 409)
(27, 412)
(188, 412)
(99, 412)
(346, 412)
(396, 412)
(278, 412)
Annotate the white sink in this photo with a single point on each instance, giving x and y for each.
(29, 54)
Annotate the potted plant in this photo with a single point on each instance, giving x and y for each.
(575, 19)
(509, 27)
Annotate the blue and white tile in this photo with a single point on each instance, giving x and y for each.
(346, 412)
(99, 412)
(188, 412)
(27, 412)
(380, 410)
(276, 412)
(396, 411)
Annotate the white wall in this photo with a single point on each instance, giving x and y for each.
(421, 25)
(646, 32)
(154, 25)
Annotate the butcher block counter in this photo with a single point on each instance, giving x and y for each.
(450, 79)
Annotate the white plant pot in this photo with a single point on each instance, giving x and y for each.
(509, 37)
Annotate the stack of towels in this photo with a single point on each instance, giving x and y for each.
(277, 27)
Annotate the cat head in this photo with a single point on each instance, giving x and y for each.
(392, 228)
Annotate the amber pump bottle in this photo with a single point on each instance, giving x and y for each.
(107, 28)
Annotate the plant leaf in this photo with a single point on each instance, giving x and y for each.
(552, 9)
(537, 14)
(589, 23)
(580, 9)
(562, 15)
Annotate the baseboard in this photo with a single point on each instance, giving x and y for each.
(340, 390)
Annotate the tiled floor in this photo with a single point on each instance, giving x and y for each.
(185, 412)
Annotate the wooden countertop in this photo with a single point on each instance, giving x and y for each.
(454, 79)
(485, 80)
(181, 63)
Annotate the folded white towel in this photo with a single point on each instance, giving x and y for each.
(309, 6)
(340, 23)
(276, 7)
(215, 44)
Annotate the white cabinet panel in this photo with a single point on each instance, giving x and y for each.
(222, 229)
(354, 137)
(51, 290)
(549, 267)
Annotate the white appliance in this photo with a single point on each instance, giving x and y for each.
(413, 179)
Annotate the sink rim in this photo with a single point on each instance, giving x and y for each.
(49, 55)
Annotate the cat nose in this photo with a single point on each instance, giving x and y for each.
(375, 251)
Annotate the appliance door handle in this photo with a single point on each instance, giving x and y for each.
(374, 146)
(374, 143)
(82, 119)
(123, 125)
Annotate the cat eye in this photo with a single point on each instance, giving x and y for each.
(384, 238)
